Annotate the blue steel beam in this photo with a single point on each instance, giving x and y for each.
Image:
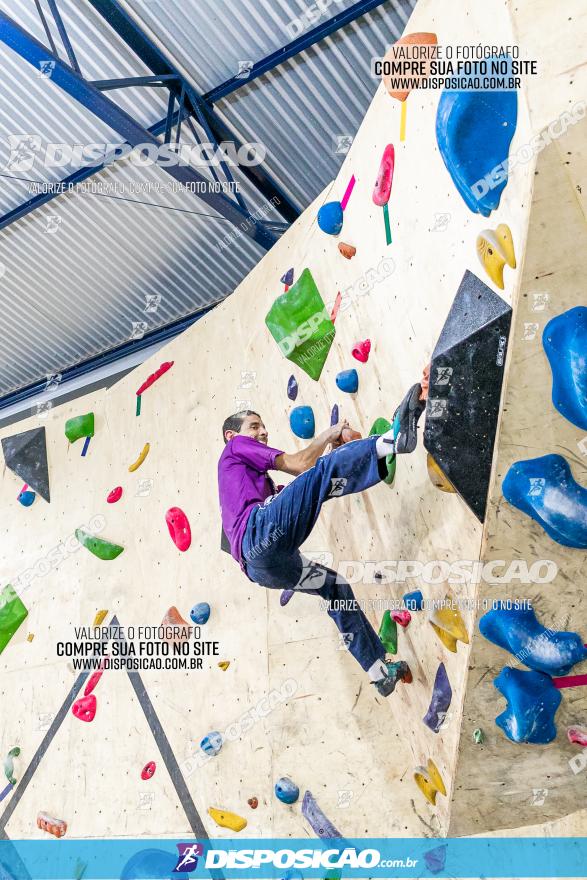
(70, 182)
(153, 58)
(294, 48)
(63, 76)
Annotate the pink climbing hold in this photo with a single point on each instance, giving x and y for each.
(150, 380)
(577, 735)
(148, 770)
(347, 193)
(382, 188)
(115, 495)
(85, 708)
(401, 617)
(361, 350)
(179, 528)
(92, 682)
(336, 307)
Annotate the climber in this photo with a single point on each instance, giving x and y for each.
(266, 527)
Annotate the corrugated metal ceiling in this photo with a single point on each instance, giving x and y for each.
(75, 274)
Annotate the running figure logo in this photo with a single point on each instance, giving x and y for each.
(187, 859)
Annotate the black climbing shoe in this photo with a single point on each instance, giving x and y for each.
(398, 671)
(405, 420)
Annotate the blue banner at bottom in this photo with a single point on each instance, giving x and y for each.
(292, 858)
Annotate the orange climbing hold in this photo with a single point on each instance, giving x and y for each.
(56, 827)
(180, 628)
(347, 250)
(392, 55)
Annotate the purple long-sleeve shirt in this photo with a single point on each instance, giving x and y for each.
(243, 483)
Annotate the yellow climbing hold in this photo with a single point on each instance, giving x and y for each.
(448, 625)
(495, 249)
(144, 453)
(227, 820)
(429, 781)
(503, 234)
(100, 615)
(437, 477)
(489, 253)
(224, 664)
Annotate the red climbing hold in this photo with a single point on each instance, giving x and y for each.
(401, 617)
(85, 708)
(253, 803)
(179, 528)
(115, 495)
(347, 250)
(382, 189)
(148, 770)
(361, 350)
(166, 365)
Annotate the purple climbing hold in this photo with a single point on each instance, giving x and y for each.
(288, 277)
(532, 701)
(441, 697)
(292, 388)
(518, 631)
(334, 417)
(285, 597)
(322, 826)
(436, 859)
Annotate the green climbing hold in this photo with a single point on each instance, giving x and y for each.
(381, 426)
(388, 633)
(100, 548)
(79, 426)
(301, 326)
(12, 614)
(9, 764)
(478, 736)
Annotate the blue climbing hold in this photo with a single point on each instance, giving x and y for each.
(288, 277)
(441, 697)
(532, 701)
(286, 790)
(474, 131)
(565, 343)
(348, 381)
(334, 416)
(413, 601)
(200, 613)
(292, 388)
(302, 423)
(26, 498)
(544, 489)
(150, 863)
(330, 218)
(212, 743)
(518, 631)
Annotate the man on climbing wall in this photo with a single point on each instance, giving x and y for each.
(266, 527)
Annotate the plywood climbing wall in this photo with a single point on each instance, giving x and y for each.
(331, 733)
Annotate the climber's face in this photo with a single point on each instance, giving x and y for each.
(253, 427)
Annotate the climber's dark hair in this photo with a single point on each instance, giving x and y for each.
(235, 422)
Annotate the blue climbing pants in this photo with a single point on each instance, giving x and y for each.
(276, 530)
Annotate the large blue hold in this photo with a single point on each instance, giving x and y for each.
(532, 702)
(348, 380)
(330, 218)
(474, 131)
(518, 631)
(565, 343)
(544, 488)
(301, 421)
